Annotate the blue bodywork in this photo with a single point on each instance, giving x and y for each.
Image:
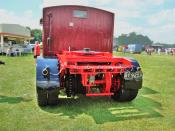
(52, 64)
(135, 65)
(133, 61)
(135, 48)
(135, 83)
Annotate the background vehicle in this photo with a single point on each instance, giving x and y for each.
(15, 47)
(31, 46)
(77, 57)
(135, 48)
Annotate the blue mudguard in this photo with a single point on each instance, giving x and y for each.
(53, 80)
(133, 61)
(133, 83)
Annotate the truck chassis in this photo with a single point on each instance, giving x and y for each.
(93, 74)
(77, 57)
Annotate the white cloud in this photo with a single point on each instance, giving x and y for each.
(124, 27)
(162, 24)
(164, 34)
(157, 2)
(28, 13)
(164, 16)
(26, 19)
(126, 10)
(47, 3)
(128, 14)
(103, 2)
(137, 4)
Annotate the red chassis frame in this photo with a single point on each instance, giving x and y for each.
(89, 64)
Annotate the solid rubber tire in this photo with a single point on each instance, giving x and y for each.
(80, 88)
(124, 95)
(42, 97)
(53, 96)
(133, 94)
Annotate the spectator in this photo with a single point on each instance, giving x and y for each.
(158, 51)
(9, 51)
(166, 51)
(36, 50)
(124, 49)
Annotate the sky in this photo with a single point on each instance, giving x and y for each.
(154, 18)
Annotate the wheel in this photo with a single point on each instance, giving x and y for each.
(125, 95)
(74, 85)
(69, 85)
(133, 94)
(42, 96)
(53, 96)
(80, 88)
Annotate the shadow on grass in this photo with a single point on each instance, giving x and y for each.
(104, 109)
(12, 100)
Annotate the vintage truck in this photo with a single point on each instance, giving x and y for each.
(77, 57)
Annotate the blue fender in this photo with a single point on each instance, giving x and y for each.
(133, 83)
(52, 64)
(134, 62)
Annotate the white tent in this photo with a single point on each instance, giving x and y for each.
(13, 32)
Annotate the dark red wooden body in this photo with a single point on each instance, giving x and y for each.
(67, 32)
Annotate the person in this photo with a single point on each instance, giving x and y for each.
(148, 51)
(124, 49)
(166, 51)
(36, 50)
(173, 51)
(9, 51)
(17, 52)
(158, 51)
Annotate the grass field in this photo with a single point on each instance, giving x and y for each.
(153, 109)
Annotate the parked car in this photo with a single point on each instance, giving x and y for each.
(31, 46)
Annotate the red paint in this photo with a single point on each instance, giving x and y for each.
(66, 30)
(100, 94)
(90, 64)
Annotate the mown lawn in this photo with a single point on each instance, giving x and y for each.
(153, 109)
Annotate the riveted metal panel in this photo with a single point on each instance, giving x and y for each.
(77, 27)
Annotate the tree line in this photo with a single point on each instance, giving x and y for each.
(133, 38)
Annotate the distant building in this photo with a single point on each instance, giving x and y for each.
(12, 34)
(156, 47)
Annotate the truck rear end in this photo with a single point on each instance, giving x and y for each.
(77, 57)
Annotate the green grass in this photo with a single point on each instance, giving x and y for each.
(153, 109)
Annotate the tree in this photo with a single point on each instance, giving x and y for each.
(133, 38)
(37, 34)
(122, 39)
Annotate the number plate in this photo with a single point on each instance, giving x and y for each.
(133, 75)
